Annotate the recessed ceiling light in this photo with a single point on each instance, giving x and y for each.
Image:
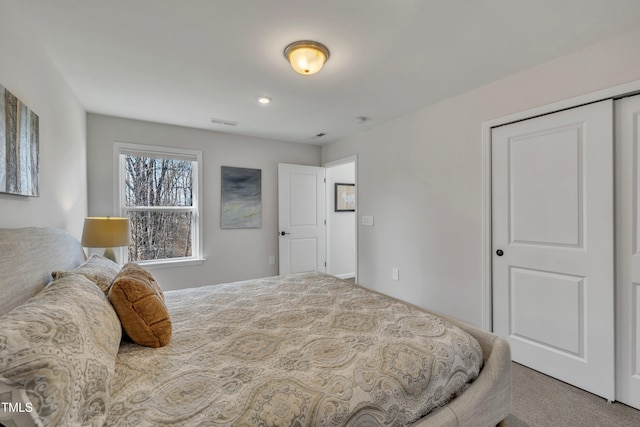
(264, 99)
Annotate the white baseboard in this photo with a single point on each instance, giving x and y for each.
(345, 275)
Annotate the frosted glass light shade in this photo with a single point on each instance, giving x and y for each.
(306, 57)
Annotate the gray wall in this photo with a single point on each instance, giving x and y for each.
(230, 254)
(28, 73)
(420, 176)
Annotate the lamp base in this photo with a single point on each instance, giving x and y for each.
(109, 254)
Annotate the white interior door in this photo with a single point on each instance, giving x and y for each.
(301, 218)
(628, 250)
(552, 220)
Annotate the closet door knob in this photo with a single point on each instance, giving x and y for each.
(282, 233)
(499, 252)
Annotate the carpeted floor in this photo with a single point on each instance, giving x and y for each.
(539, 400)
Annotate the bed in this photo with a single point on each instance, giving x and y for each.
(306, 349)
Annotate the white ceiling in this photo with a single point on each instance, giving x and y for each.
(184, 62)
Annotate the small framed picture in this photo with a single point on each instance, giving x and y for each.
(345, 197)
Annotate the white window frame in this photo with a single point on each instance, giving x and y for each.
(121, 149)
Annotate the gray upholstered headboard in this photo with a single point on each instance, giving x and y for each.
(27, 258)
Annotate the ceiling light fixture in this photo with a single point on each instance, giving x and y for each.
(306, 57)
(264, 99)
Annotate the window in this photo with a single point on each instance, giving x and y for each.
(158, 192)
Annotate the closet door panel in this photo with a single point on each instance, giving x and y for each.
(627, 126)
(552, 236)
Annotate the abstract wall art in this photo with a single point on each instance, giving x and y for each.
(241, 205)
(19, 140)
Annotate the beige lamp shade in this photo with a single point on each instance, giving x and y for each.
(105, 232)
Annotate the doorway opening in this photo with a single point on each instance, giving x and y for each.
(341, 230)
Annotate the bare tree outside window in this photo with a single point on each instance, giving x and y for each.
(158, 199)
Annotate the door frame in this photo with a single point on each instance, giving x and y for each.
(351, 159)
(487, 274)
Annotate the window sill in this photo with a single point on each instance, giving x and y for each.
(171, 263)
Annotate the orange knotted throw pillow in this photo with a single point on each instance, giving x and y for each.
(139, 302)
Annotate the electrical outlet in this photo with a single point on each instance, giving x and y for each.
(367, 220)
(272, 260)
(395, 274)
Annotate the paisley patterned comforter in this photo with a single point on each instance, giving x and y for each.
(299, 350)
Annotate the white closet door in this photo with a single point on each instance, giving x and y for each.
(552, 225)
(628, 250)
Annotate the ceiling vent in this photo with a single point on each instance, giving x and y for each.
(223, 122)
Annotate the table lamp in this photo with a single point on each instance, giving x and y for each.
(106, 232)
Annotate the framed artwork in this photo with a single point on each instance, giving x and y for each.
(345, 197)
(241, 204)
(19, 145)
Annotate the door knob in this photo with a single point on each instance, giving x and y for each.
(499, 252)
(282, 233)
